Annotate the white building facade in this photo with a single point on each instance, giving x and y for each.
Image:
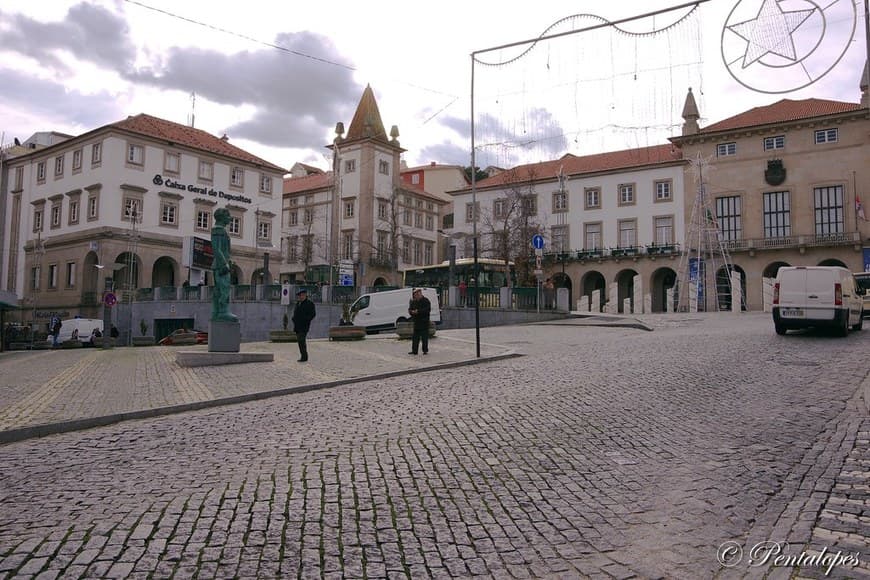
(132, 194)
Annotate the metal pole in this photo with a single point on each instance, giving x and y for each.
(474, 222)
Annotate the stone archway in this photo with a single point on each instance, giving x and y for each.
(235, 275)
(625, 289)
(723, 287)
(662, 280)
(127, 278)
(594, 281)
(380, 281)
(163, 273)
(771, 270)
(833, 262)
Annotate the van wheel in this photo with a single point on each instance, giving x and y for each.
(860, 324)
(780, 329)
(843, 329)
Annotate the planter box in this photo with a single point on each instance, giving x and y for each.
(98, 341)
(405, 330)
(73, 343)
(347, 332)
(282, 336)
(143, 341)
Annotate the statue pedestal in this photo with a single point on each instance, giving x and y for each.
(224, 336)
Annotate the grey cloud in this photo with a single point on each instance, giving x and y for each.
(52, 100)
(446, 153)
(90, 33)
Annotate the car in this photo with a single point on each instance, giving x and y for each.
(863, 281)
(183, 336)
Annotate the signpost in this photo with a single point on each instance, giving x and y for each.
(345, 273)
(538, 244)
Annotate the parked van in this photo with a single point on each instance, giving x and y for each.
(817, 296)
(84, 326)
(382, 310)
(863, 281)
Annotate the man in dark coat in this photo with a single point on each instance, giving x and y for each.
(303, 314)
(419, 309)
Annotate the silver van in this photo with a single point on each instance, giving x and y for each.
(379, 311)
(817, 296)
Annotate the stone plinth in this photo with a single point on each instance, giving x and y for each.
(198, 358)
(224, 336)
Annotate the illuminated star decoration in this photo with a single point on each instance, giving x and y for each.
(770, 32)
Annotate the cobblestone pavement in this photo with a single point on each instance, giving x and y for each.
(603, 453)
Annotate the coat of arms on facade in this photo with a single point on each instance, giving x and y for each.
(779, 46)
(775, 172)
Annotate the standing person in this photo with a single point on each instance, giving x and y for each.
(549, 293)
(303, 313)
(54, 329)
(463, 291)
(419, 309)
(113, 332)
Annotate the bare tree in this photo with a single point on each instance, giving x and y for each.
(512, 221)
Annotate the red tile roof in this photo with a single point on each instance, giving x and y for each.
(574, 165)
(782, 112)
(366, 123)
(307, 182)
(183, 135)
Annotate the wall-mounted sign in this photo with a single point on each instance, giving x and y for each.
(202, 190)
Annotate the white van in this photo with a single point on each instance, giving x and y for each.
(817, 296)
(863, 281)
(382, 310)
(84, 326)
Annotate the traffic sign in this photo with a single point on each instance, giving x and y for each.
(110, 299)
(538, 242)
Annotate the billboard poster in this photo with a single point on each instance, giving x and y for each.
(696, 275)
(867, 259)
(202, 254)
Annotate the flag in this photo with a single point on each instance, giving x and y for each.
(859, 208)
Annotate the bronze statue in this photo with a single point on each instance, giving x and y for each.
(220, 243)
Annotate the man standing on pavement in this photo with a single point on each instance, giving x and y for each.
(303, 314)
(419, 309)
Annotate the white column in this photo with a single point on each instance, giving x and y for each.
(669, 299)
(767, 293)
(613, 302)
(596, 301)
(637, 291)
(693, 297)
(736, 291)
(583, 304)
(647, 303)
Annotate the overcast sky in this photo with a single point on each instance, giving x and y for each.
(277, 76)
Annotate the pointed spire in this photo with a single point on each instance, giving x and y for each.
(690, 115)
(366, 123)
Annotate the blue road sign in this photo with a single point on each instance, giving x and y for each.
(538, 242)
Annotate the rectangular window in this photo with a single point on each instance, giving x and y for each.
(499, 208)
(592, 197)
(530, 205)
(264, 231)
(627, 234)
(77, 160)
(40, 171)
(350, 166)
(829, 213)
(560, 201)
(131, 209)
(168, 213)
(663, 190)
(384, 167)
(381, 247)
(428, 254)
(52, 276)
(309, 199)
(430, 223)
(19, 179)
(265, 183)
(415, 179)
(347, 246)
(777, 214)
(382, 210)
(308, 216)
(293, 249)
(826, 136)
(348, 209)
(203, 218)
(626, 194)
(559, 238)
(37, 220)
(418, 252)
(74, 211)
(729, 217)
(418, 220)
(55, 216)
(135, 154)
(96, 153)
(70, 274)
(58, 166)
(664, 230)
(172, 162)
(237, 177)
(430, 206)
(93, 207)
(726, 149)
(34, 278)
(206, 170)
(407, 217)
(307, 248)
(406, 250)
(235, 226)
(293, 218)
(592, 236)
(772, 143)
